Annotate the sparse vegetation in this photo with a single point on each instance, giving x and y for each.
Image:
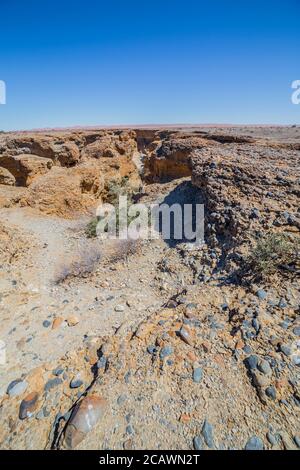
(114, 190)
(79, 266)
(91, 228)
(122, 250)
(117, 188)
(273, 253)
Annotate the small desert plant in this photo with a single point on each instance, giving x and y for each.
(121, 250)
(273, 253)
(80, 265)
(114, 190)
(91, 228)
(119, 188)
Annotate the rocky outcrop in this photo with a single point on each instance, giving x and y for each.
(66, 192)
(66, 154)
(111, 145)
(248, 189)
(11, 195)
(172, 157)
(61, 150)
(6, 177)
(26, 167)
(66, 174)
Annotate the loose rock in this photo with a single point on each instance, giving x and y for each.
(207, 433)
(197, 374)
(84, 417)
(198, 443)
(17, 387)
(254, 443)
(28, 405)
(72, 320)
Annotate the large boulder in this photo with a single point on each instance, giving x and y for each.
(25, 168)
(66, 191)
(67, 173)
(11, 195)
(111, 145)
(172, 157)
(60, 149)
(66, 154)
(6, 177)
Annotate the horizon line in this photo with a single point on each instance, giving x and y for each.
(144, 126)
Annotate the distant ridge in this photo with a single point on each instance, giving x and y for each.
(145, 126)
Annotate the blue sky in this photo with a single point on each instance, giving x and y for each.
(93, 63)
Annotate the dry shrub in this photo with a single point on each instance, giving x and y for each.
(82, 264)
(118, 250)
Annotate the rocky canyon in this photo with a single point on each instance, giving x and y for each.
(150, 343)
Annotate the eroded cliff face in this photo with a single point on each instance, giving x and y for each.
(169, 156)
(249, 189)
(249, 184)
(64, 174)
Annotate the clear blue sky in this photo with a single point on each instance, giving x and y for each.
(161, 61)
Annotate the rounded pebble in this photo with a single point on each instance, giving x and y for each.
(207, 433)
(271, 392)
(197, 375)
(165, 351)
(261, 294)
(251, 361)
(254, 443)
(296, 330)
(198, 443)
(16, 388)
(28, 405)
(83, 419)
(264, 367)
(76, 383)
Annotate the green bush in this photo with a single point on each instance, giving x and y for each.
(91, 227)
(119, 188)
(275, 252)
(114, 190)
